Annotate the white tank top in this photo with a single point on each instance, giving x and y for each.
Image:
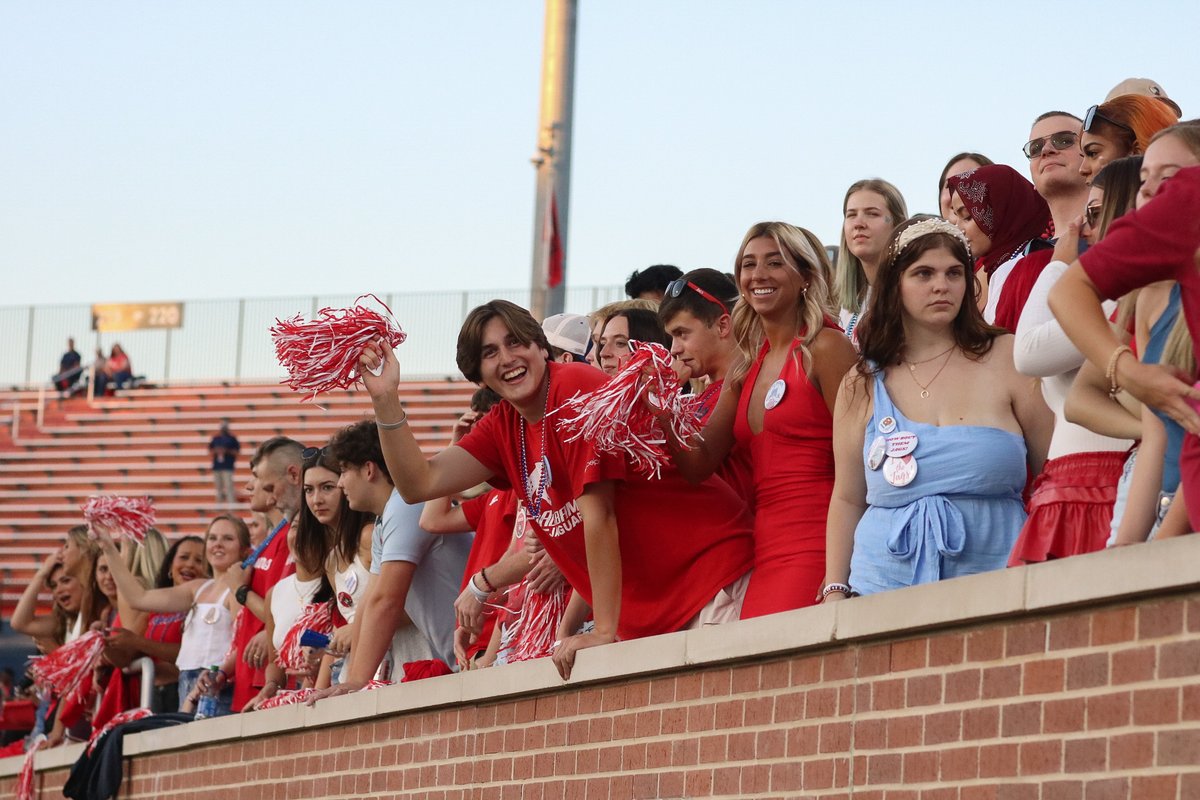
(207, 633)
(288, 599)
(349, 587)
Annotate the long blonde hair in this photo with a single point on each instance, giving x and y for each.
(803, 252)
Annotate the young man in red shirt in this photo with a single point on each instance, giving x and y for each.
(647, 556)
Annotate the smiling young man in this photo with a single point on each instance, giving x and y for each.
(648, 556)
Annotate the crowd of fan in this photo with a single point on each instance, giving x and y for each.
(1006, 383)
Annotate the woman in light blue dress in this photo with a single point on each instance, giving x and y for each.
(935, 432)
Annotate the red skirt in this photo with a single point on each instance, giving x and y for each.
(1070, 508)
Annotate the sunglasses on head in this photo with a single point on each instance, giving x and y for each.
(1061, 140)
(314, 453)
(676, 287)
(1093, 114)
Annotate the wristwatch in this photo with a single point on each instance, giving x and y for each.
(241, 593)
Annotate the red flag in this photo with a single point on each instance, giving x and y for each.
(554, 251)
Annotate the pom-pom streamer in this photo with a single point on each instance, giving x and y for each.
(323, 354)
(315, 617)
(62, 670)
(130, 516)
(615, 417)
(537, 628)
(287, 697)
(25, 780)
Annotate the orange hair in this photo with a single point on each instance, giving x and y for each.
(1145, 117)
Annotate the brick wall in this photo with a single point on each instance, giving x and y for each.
(1072, 680)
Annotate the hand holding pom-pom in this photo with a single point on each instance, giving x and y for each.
(328, 352)
(634, 412)
(131, 516)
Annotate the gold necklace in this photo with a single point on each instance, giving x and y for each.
(912, 370)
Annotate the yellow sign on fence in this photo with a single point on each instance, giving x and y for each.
(113, 317)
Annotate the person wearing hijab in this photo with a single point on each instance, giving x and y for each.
(1000, 212)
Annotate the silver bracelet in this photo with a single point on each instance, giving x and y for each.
(844, 588)
(391, 426)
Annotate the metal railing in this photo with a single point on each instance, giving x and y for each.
(228, 340)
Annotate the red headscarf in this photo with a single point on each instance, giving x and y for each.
(1005, 206)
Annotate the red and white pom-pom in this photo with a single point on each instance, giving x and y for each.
(287, 697)
(61, 670)
(316, 617)
(537, 627)
(615, 418)
(25, 789)
(119, 719)
(374, 684)
(131, 516)
(322, 354)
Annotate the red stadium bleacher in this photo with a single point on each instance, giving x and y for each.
(154, 441)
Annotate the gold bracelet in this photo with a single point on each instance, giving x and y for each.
(1111, 372)
(391, 426)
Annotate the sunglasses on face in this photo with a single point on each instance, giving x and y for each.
(1091, 214)
(676, 287)
(1062, 140)
(1093, 114)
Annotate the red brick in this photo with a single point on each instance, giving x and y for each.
(986, 644)
(1191, 702)
(1179, 748)
(870, 734)
(740, 746)
(884, 768)
(1134, 665)
(730, 714)
(910, 654)
(686, 752)
(846, 699)
(817, 774)
(1156, 787)
(887, 695)
(776, 675)
(658, 754)
(803, 741)
(923, 691)
(746, 679)
(963, 685)
(1159, 620)
(960, 763)
(756, 779)
(874, 660)
(1063, 716)
(758, 711)
(806, 670)
(1155, 706)
(637, 695)
(1114, 625)
(789, 707)
(726, 780)
(820, 703)
(1085, 755)
(904, 732)
(1131, 751)
(982, 722)
(1107, 789)
(587, 761)
(1024, 638)
(688, 687)
(1108, 711)
(838, 665)
(1043, 677)
(717, 683)
(1021, 719)
(699, 783)
(942, 727)
(786, 777)
(921, 766)
(1001, 682)
(998, 760)
(645, 786)
(1179, 659)
(701, 718)
(1039, 758)
(835, 737)
(1063, 790)
(943, 793)
(1020, 791)
(770, 744)
(633, 757)
(674, 721)
(610, 760)
(1087, 671)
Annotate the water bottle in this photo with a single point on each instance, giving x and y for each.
(207, 705)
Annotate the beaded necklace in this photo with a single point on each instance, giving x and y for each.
(535, 508)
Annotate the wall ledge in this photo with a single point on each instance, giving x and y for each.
(1109, 577)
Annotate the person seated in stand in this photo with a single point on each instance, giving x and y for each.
(598, 317)
(1001, 214)
(209, 603)
(934, 430)
(569, 337)
(1156, 242)
(414, 574)
(958, 163)
(651, 282)
(647, 556)
(870, 212)
(69, 368)
(117, 368)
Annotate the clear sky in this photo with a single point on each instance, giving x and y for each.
(182, 150)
